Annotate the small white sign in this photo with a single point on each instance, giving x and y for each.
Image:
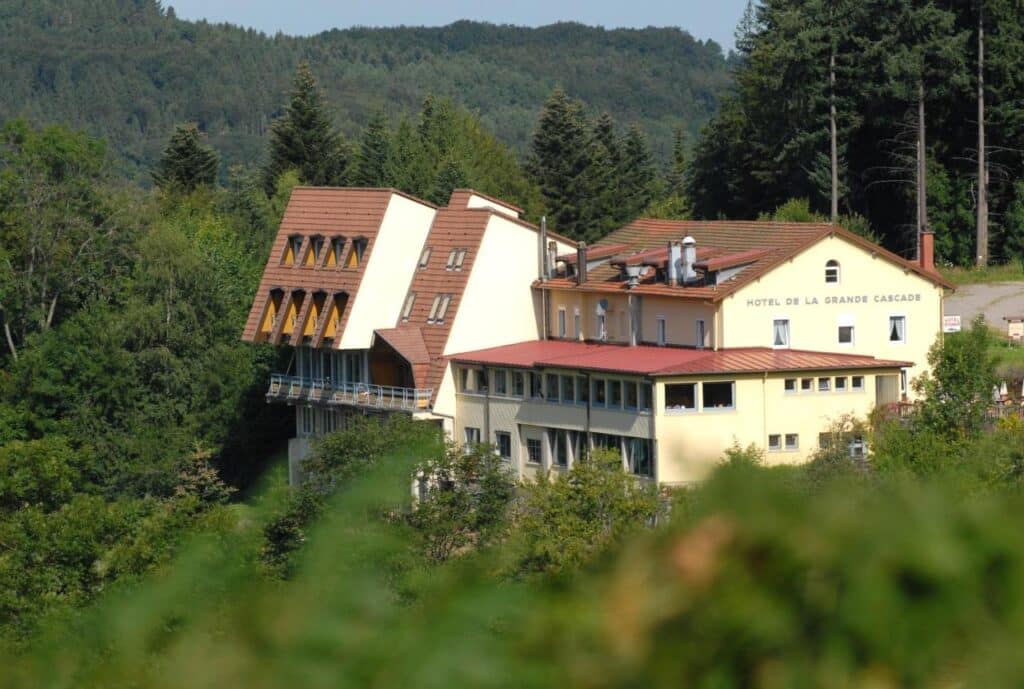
(951, 324)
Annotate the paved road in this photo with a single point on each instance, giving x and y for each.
(994, 300)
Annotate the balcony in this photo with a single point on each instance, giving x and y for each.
(293, 389)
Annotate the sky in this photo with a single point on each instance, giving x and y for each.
(715, 19)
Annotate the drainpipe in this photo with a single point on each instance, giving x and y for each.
(487, 407)
(542, 259)
(654, 435)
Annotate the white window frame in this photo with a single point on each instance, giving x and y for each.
(846, 320)
(853, 384)
(838, 271)
(561, 322)
(577, 323)
(700, 332)
(775, 442)
(425, 257)
(601, 327)
(796, 386)
(730, 408)
(471, 436)
(796, 444)
(807, 388)
(888, 329)
(827, 381)
(497, 444)
(410, 302)
(683, 410)
(845, 386)
(662, 330)
(788, 330)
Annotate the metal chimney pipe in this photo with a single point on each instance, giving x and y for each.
(674, 264)
(552, 257)
(542, 243)
(689, 273)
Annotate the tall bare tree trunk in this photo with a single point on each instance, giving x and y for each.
(10, 341)
(922, 175)
(982, 224)
(832, 127)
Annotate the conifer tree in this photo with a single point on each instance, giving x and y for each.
(371, 164)
(637, 177)
(676, 179)
(187, 163)
(407, 167)
(559, 160)
(450, 177)
(304, 138)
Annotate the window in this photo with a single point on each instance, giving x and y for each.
(355, 256)
(537, 386)
(337, 253)
(641, 459)
(856, 446)
(632, 402)
(718, 395)
(680, 397)
(700, 334)
(291, 250)
(577, 324)
(780, 332)
(552, 387)
(646, 396)
(832, 272)
(518, 384)
(410, 301)
(792, 441)
(824, 384)
(846, 334)
(603, 441)
(774, 442)
(425, 257)
(500, 382)
(582, 390)
(306, 418)
(316, 247)
(455, 259)
(503, 441)
(568, 384)
(840, 383)
(661, 331)
(561, 322)
(790, 385)
(561, 447)
(614, 394)
(806, 384)
(598, 396)
(857, 383)
(602, 330)
(439, 308)
(824, 441)
(472, 436)
(464, 380)
(481, 380)
(897, 329)
(533, 451)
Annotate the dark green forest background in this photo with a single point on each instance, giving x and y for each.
(128, 71)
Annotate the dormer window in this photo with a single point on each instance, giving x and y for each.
(455, 259)
(336, 255)
(355, 256)
(439, 309)
(291, 250)
(832, 272)
(316, 247)
(425, 258)
(410, 301)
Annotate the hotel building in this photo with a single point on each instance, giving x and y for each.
(666, 341)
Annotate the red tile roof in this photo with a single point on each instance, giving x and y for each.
(731, 260)
(666, 361)
(329, 212)
(648, 238)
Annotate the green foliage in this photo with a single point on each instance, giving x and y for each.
(187, 163)
(799, 210)
(565, 520)
(42, 473)
(304, 139)
(371, 164)
(958, 389)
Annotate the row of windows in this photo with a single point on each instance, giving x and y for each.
(825, 384)
(897, 331)
(601, 328)
(334, 256)
(456, 257)
(713, 396)
(775, 441)
(637, 453)
(604, 393)
(438, 309)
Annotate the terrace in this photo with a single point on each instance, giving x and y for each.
(293, 389)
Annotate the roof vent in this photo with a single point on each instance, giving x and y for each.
(634, 273)
(688, 273)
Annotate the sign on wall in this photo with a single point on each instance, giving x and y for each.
(951, 324)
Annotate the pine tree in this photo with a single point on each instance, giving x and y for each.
(676, 179)
(558, 162)
(451, 176)
(407, 167)
(371, 164)
(638, 181)
(304, 138)
(187, 163)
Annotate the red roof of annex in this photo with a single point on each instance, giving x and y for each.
(656, 361)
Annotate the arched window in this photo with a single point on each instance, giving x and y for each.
(832, 271)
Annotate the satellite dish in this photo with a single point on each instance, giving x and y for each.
(602, 307)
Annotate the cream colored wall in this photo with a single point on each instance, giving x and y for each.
(690, 444)
(790, 290)
(680, 321)
(389, 270)
(587, 304)
(480, 202)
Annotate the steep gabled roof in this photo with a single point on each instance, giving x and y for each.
(765, 244)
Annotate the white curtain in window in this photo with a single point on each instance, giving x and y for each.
(897, 329)
(780, 337)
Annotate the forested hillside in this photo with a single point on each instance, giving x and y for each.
(129, 70)
(887, 67)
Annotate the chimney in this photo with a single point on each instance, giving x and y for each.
(674, 266)
(552, 256)
(542, 242)
(928, 251)
(581, 263)
(689, 273)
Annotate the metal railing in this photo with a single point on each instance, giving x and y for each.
(324, 391)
